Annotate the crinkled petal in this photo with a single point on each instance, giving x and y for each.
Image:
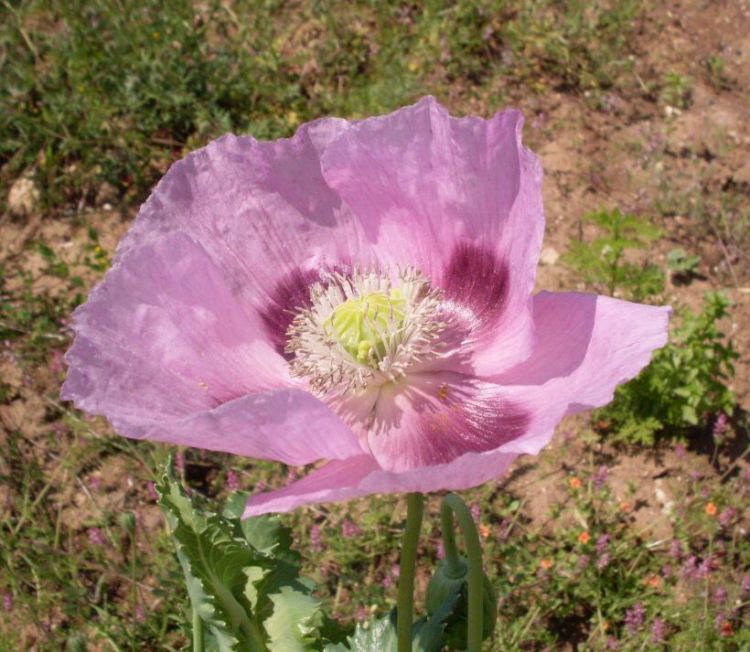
(460, 198)
(264, 214)
(163, 337)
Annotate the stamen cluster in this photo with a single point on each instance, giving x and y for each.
(364, 330)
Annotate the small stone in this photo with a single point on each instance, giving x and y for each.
(549, 256)
(23, 197)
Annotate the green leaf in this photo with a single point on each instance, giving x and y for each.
(213, 560)
(295, 621)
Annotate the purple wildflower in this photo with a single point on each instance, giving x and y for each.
(704, 568)
(440, 550)
(361, 613)
(600, 478)
(583, 562)
(233, 481)
(745, 585)
(350, 529)
(667, 571)
(689, 567)
(602, 543)
(96, 537)
(316, 537)
(727, 516)
(634, 618)
(675, 549)
(658, 631)
(476, 511)
(399, 251)
(613, 643)
(396, 571)
(7, 602)
(720, 595)
(680, 451)
(720, 428)
(603, 561)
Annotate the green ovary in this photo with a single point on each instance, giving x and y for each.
(361, 324)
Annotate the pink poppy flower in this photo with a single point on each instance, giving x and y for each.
(361, 294)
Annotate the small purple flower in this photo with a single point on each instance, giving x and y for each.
(600, 478)
(745, 584)
(602, 543)
(476, 510)
(361, 613)
(583, 562)
(727, 516)
(675, 549)
(634, 618)
(350, 529)
(689, 567)
(233, 481)
(680, 451)
(704, 568)
(720, 595)
(720, 428)
(613, 643)
(7, 602)
(396, 571)
(603, 561)
(316, 538)
(440, 550)
(96, 537)
(140, 613)
(667, 571)
(658, 631)
(95, 482)
(745, 475)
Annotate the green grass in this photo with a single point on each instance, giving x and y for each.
(114, 90)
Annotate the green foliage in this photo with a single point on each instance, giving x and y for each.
(104, 90)
(685, 384)
(244, 583)
(241, 576)
(681, 264)
(605, 262)
(676, 90)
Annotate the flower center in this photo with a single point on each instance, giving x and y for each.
(364, 330)
(363, 325)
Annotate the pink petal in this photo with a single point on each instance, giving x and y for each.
(433, 418)
(586, 345)
(262, 211)
(286, 425)
(429, 188)
(360, 476)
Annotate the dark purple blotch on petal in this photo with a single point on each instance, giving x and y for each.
(465, 420)
(290, 295)
(476, 279)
